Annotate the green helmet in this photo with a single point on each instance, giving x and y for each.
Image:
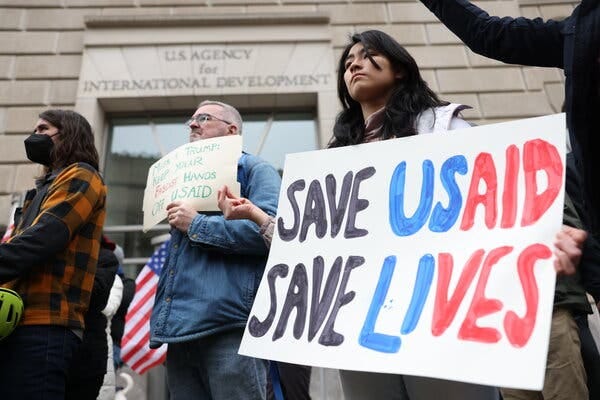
(11, 311)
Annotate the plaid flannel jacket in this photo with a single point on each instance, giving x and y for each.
(52, 262)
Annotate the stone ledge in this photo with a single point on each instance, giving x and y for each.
(128, 21)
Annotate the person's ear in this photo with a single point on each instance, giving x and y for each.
(399, 75)
(232, 129)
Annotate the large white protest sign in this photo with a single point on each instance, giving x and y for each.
(430, 255)
(192, 173)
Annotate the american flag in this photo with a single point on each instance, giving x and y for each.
(135, 350)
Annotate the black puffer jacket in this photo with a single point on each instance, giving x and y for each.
(91, 357)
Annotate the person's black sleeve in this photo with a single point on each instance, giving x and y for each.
(103, 280)
(128, 293)
(590, 267)
(511, 40)
(33, 246)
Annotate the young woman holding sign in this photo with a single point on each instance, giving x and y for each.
(384, 96)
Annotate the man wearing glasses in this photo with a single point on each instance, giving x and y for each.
(210, 278)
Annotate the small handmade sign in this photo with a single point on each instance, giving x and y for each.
(193, 173)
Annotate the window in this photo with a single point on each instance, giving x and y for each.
(136, 143)
(272, 136)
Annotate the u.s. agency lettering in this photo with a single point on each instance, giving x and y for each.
(208, 54)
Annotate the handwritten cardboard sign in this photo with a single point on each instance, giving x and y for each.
(430, 255)
(192, 173)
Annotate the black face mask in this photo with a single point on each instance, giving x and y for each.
(38, 148)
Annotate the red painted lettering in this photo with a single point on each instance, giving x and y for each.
(518, 330)
(509, 196)
(481, 305)
(445, 309)
(483, 170)
(539, 155)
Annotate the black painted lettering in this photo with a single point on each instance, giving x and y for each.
(337, 211)
(329, 337)
(320, 304)
(314, 211)
(296, 298)
(357, 205)
(290, 234)
(255, 326)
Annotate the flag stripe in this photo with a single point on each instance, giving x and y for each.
(148, 296)
(137, 325)
(137, 345)
(142, 357)
(161, 360)
(141, 291)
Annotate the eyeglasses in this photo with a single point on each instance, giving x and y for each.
(200, 119)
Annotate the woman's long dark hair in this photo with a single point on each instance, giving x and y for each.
(76, 141)
(410, 96)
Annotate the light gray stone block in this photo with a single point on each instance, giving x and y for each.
(515, 105)
(12, 149)
(7, 67)
(439, 34)
(21, 120)
(67, 66)
(23, 92)
(480, 80)
(355, 13)
(28, 42)
(10, 19)
(2, 120)
(7, 176)
(410, 12)
(63, 92)
(58, 19)
(438, 56)
(69, 42)
(411, 34)
(535, 78)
